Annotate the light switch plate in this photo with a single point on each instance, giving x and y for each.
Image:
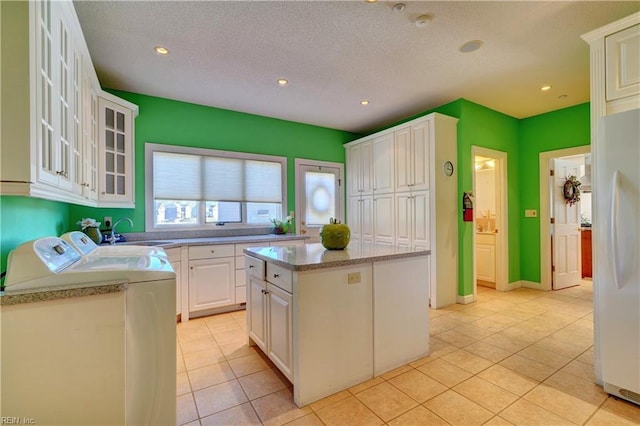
(531, 213)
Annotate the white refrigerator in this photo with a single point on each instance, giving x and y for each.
(616, 171)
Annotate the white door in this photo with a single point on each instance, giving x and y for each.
(566, 264)
(319, 196)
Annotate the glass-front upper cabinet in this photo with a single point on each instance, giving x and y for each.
(116, 153)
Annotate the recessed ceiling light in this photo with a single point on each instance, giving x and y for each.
(283, 81)
(471, 46)
(398, 7)
(160, 50)
(423, 20)
(364, 102)
(545, 88)
(370, 1)
(563, 96)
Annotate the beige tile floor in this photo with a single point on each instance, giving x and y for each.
(521, 357)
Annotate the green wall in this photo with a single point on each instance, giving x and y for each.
(171, 122)
(564, 128)
(23, 219)
(481, 126)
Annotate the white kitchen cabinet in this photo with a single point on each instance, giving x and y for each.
(360, 218)
(49, 135)
(622, 60)
(383, 218)
(279, 329)
(412, 220)
(269, 316)
(383, 164)
(257, 311)
(116, 152)
(615, 69)
(412, 157)
(486, 257)
(424, 210)
(211, 277)
(359, 166)
(174, 255)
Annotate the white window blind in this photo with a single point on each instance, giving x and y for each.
(209, 178)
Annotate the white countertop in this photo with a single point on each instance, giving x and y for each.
(315, 256)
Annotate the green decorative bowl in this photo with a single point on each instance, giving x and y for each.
(335, 236)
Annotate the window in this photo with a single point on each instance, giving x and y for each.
(195, 188)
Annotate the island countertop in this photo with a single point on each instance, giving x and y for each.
(315, 256)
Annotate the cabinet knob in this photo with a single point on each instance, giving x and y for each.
(250, 266)
(213, 251)
(275, 275)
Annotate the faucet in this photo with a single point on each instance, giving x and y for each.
(112, 238)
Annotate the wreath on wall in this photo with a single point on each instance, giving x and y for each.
(571, 190)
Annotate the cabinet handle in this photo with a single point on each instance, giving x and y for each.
(275, 275)
(192, 267)
(213, 251)
(250, 266)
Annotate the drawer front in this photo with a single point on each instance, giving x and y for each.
(211, 251)
(488, 239)
(280, 276)
(254, 267)
(173, 254)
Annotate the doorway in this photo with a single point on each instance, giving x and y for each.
(561, 251)
(319, 195)
(490, 237)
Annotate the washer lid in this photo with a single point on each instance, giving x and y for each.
(79, 240)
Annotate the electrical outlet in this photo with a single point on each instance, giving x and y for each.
(353, 278)
(107, 223)
(531, 213)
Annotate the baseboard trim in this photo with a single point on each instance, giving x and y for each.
(465, 300)
(531, 284)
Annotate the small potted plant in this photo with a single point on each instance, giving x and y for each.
(281, 226)
(92, 228)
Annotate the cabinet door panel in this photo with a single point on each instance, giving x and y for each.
(280, 329)
(623, 63)
(420, 156)
(383, 218)
(366, 167)
(403, 219)
(486, 262)
(256, 311)
(211, 283)
(367, 219)
(403, 159)
(354, 217)
(383, 164)
(421, 236)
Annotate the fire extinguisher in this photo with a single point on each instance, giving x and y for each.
(467, 207)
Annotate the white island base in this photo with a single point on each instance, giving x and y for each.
(332, 319)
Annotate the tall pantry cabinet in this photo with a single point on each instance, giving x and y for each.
(400, 191)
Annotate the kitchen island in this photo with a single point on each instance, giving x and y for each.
(332, 319)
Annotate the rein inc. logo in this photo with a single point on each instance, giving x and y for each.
(15, 420)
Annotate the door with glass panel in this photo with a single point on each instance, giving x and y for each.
(319, 196)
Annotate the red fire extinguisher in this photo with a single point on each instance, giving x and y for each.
(467, 207)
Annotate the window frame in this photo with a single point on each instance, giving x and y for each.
(150, 225)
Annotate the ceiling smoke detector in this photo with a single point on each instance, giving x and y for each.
(423, 20)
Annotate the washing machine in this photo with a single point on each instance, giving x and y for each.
(87, 247)
(75, 353)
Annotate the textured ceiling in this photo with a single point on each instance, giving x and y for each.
(229, 54)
